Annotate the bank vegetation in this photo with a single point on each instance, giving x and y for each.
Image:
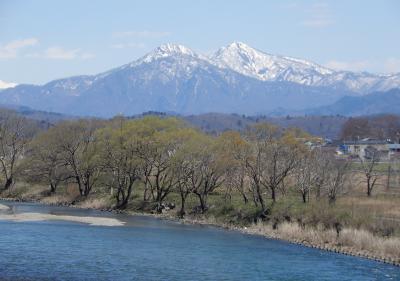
(265, 180)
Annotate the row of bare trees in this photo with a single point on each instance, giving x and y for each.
(159, 156)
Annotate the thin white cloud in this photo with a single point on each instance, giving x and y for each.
(11, 49)
(86, 56)
(128, 45)
(392, 65)
(362, 65)
(60, 53)
(141, 34)
(389, 65)
(319, 16)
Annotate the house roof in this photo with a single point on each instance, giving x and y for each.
(365, 142)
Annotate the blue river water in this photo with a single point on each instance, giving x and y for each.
(151, 249)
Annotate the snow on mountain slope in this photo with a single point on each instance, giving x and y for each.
(174, 78)
(6, 85)
(257, 64)
(175, 61)
(167, 50)
(254, 63)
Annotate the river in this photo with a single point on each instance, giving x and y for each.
(122, 247)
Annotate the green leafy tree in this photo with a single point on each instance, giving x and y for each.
(120, 162)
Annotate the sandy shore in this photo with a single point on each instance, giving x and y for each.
(3, 207)
(21, 217)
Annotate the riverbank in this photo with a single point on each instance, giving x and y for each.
(326, 240)
(353, 242)
(23, 217)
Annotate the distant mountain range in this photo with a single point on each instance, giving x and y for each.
(372, 104)
(235, 79)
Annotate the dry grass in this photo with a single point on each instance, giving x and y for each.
(379, 207)
(33, 193)
(95, 203)
(371, 202)
(363, 240)
(293, 232)
(57, 199)
(25, 191)
(349, 240)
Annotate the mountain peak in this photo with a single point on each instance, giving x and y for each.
(236, 48)
(238, 45)
(254, 63)
(170, 48)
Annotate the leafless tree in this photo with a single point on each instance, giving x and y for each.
(337, 179)
(272, 160)
(304, 175)
(369, 168)
(280, 159)
(15, 133)
(321, 166)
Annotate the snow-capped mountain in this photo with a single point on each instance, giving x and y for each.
(260, 65)
(254, 63)
(174, 78)
(6, 85)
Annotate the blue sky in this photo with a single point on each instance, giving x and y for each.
(43, 40)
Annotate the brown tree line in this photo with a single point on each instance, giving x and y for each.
(377, 127)
(160, 156)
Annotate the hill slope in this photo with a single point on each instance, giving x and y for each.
(375, 103)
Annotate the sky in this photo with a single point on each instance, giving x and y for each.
(42, 40)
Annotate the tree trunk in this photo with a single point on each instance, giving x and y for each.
(318, 192)
(52, 188)
(255, 200)
(78, 181)
(145, 192)
(388, 177)
(203, 203)
(245, 199)
(123, 201)
(273, 194)
(369, 189)
(183, 201)
(304, 196)
(87, 190)
(122, 204)
(259, 195)
(8, 183)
